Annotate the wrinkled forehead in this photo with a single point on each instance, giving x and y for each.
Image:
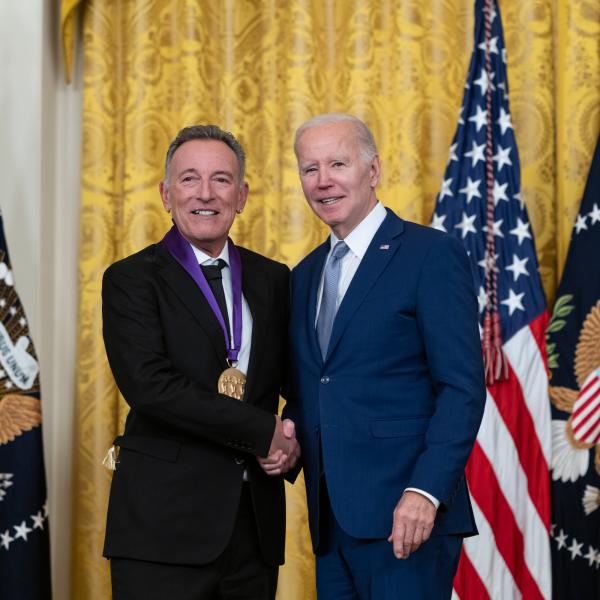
(205, 155)
(328, 141)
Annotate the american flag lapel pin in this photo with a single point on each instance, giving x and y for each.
(384, 247)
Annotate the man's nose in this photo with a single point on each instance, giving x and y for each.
(324, 180)
(204, 190)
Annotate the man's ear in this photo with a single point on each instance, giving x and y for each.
(164, 195)
(375, 171)
(242, 198)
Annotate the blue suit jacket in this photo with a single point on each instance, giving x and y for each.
(398, 400)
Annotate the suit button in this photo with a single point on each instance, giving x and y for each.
(325, 380)
(239, 461)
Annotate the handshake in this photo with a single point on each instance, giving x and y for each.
(284, 451)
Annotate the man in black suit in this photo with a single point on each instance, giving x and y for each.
(195, 333)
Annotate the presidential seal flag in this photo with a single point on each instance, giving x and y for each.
(574, 359)
(24, 541)
(481, 203)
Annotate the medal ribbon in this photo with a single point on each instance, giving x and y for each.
(179, 248)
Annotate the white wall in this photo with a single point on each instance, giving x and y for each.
(40, 123)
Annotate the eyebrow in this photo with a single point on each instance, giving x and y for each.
(194, 171)
(188, 171)
(338, 158)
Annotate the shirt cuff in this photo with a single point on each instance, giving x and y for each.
(433, 499)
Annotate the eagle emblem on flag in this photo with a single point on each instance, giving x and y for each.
(18, 413)
(581, 432)
(24, 536)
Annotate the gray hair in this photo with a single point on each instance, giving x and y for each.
(206, 132)
(366, 141)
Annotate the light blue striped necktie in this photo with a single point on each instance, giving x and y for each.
(327, 311)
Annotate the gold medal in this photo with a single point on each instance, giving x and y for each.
(232, 382)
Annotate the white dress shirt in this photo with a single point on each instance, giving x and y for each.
(244, 355)
(358, 241)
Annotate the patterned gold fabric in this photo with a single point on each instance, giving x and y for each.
(259, 68)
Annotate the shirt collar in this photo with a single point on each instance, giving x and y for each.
(360, 237)
(202, 257)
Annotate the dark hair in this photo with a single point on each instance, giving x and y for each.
(206, 132)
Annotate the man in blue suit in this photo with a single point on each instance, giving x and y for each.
(387, 380)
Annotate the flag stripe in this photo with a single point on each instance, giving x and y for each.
(498, 446)
(586, 411)
(594, 435)
(538, 328)
(514, 411)
(529, 365)
(593, 382)
(588, 393)
(586, 405)
(481, 550)
(589, 432)
(489, 496)
(467, 582)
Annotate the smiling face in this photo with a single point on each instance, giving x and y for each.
(337, 180)
(204, 192)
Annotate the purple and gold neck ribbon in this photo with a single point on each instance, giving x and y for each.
(180, 249)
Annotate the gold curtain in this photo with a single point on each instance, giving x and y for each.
(259, 68)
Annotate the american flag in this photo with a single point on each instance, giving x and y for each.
(508, 470)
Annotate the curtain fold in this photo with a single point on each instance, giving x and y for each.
(68, 27)
(259, 68)
(576, 110)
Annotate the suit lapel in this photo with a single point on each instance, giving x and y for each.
(382, 248)
(258, 297)
(312, 289)
(190, 295)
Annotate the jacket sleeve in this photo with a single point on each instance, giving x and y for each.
(153, 387)
(290, 410)
(447, 314)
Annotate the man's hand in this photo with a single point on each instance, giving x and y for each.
(284, 451)
(413, 521)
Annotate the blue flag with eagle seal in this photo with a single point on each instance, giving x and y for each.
(573, 337)
(24, 538)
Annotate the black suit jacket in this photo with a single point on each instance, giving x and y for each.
(176, 489)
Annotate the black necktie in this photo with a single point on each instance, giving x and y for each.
(215, 280)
